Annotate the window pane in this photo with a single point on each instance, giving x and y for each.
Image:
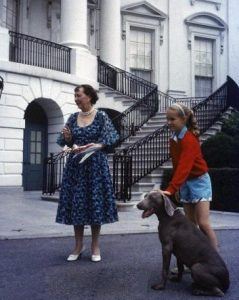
(140, 62)
(141, 37)
(38, 149)
(140, 49)
(133, 61)
(32, 159)
(148, 63)
(33, 147)
(203, 86)
(38, 158)
(39, 136)
(33, 135)
(203, 55)
(133, 35)
(148, 37)
(133, 48)
(148, 49)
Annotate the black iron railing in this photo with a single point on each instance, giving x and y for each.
(33, 51)
(144, 92)
(53, 171)
(147, 154)
(1, 85)
(190, 101)
(165, 101)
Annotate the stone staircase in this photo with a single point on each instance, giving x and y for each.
(115, 100)
(154, 179)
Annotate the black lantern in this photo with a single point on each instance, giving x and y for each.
(1, 85)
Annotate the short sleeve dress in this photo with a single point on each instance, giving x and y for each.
(87, 196)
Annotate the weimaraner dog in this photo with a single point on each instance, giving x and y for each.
(179, 236)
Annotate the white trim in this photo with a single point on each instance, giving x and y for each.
(216, 59)
(155, 47)
(217, 3)
(129, 9)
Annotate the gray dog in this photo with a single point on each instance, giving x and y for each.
(191, 247)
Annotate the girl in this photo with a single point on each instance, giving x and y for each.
(190, 175)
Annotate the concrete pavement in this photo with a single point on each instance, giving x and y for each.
(37, 269)
(25, 215)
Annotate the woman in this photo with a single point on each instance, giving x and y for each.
(87, 196)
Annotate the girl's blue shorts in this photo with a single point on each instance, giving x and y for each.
(195, 190)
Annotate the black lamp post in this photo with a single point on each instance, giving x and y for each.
(1, 85)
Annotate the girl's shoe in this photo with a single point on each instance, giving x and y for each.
(74, 257)
(95, 258)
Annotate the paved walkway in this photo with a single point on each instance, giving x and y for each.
(37, 269)
(25, 215)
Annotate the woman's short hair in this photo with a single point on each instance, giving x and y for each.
(89, 91)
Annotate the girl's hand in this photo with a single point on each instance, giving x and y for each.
(166, 193)
(67, 133)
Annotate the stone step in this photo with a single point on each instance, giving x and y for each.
(142, 187)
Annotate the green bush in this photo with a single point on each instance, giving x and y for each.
(222, 150)
(225, 182)
(231, 126)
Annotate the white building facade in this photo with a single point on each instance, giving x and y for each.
(186, 47)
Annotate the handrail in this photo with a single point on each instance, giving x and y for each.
(34, 51)
(133, 163)
(128, 84)
(1, 85)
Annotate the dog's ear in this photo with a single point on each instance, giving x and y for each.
(168, 206)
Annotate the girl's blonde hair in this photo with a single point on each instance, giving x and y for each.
(187, 113)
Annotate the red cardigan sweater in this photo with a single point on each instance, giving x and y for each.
(188, 162)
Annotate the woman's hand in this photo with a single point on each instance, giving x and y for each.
(67, 134)
(79, 149)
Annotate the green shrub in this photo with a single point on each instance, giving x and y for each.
(225, 182)
(221, 151)
(231, 126)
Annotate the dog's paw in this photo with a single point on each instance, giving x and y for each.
(157, 287)
(174, 278)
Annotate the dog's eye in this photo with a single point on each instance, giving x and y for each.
(146, 195)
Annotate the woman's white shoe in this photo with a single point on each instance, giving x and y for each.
(95, 258)
(74, 257)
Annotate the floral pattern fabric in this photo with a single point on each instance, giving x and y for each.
(87, 196)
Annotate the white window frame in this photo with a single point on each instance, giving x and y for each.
(216, 59)
(215, 32)
(153, 22)
(153, 54)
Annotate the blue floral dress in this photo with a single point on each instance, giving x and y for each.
(87, 195)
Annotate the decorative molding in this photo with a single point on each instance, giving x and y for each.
(208, 21)
(217, 3)
(143, 8)
(140, 10)
(49, 12)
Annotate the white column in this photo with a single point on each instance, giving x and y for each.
(4, 44)
(110, 32)
(74, 23)
(74, 35)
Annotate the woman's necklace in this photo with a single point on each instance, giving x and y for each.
(87, 113)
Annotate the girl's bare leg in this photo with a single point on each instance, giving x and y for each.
(95, 230)
(202, 210)
(189, 210)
